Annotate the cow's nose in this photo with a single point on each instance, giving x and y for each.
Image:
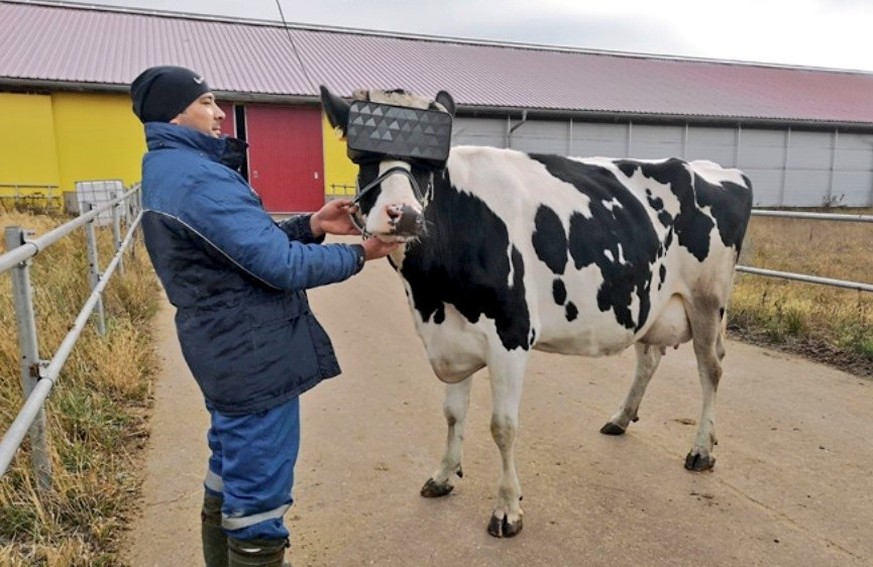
(406, 220)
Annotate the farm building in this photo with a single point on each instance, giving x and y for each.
(803, 135)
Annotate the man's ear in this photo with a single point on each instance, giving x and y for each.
(336, 109)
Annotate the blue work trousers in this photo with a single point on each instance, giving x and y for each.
(252, 469)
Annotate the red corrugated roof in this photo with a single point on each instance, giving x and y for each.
(62, 43)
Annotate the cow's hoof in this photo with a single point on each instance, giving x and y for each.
(612, 429)
(501, 527)
(433, 489)
(699, 463)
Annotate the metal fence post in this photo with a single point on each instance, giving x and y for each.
(94, 265)
(116, 229)
(22, 293)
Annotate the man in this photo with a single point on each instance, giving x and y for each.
(238, 281)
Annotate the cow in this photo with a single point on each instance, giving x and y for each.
(505, 252)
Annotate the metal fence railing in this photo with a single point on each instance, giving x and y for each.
(38, 376)
(30, 197)
(805, 277)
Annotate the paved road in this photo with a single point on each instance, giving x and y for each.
(792, 485)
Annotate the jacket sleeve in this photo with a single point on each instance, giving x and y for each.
(298, 228)
(221, 208)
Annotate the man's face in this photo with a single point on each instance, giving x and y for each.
(203, 115)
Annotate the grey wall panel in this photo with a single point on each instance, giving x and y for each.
(854, 152)
(656, 142)
(766, 184)
(762, 149)
(853, 188)
(541, 136)
(806, 187)
(811, 150)
(594, 139)
(715, 144)
(479, 132)
(796, 168)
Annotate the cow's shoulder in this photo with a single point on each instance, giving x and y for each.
(466, 259)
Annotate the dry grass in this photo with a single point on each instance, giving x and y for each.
(96, 413)
(824, 323)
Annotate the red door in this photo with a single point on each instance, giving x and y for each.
(285, 157)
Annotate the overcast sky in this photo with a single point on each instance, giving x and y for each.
(817, 33)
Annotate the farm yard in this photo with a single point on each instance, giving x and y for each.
(789, 486)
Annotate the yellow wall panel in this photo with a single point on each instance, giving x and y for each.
(28, 154)
(98, 137)
(339, 171)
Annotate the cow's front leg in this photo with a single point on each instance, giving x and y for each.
(507, 376)
(648, 358)
(455, 408)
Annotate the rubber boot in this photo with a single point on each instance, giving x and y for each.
(256, 552)
(213, 537)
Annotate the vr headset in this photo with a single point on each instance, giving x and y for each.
(379, 131)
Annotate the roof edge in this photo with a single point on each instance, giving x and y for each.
(477, 110)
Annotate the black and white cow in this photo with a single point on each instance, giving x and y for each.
(522, 251)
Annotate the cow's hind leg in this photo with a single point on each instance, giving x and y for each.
(707, 328)
(507, 375)
(455, 409)
(648, 358)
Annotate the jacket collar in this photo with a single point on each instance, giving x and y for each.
(226, 150)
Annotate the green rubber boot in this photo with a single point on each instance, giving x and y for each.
(213, 537)
(256, 552)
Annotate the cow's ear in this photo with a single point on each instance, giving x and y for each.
(337, 111)
(447, 101)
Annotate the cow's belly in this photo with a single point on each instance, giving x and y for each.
(584, 339)
(593, 333)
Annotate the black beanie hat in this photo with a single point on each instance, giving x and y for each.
(159, 94)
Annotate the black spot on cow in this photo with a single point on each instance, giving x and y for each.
(462, 260)
(559, 291)
(657, 204)
(620, 239)
(550, 240)
(662, 275)
(570, 311)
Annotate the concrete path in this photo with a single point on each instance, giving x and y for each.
(792, 485)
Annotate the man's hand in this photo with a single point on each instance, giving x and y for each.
(333, 218)
(375, 248)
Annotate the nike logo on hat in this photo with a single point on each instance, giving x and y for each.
(198, 80)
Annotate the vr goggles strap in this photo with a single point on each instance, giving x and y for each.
(391, 171)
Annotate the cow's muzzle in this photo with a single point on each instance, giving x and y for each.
(405, 220)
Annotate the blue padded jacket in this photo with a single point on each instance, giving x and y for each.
(236, 277)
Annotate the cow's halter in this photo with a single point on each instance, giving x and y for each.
(423, 199)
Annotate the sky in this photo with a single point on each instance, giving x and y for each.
(815, 33)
